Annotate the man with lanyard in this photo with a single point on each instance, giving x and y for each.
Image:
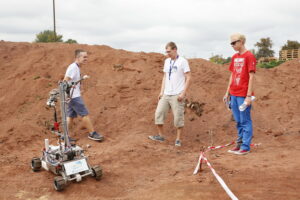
(76, 105)
(240, 89)
(175, 83)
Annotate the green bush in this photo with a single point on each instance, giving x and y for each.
(71, 41)
(48, 36)
(270, 64)
(218, 59)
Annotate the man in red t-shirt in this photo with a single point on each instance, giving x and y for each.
(240, 90)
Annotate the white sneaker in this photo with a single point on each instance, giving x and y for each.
(241, 152)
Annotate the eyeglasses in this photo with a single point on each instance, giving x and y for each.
(168, 51)
(234, 42)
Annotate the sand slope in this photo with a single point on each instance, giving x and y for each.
(122, 104)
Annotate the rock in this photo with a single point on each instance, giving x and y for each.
(191, 118)
(118, 67)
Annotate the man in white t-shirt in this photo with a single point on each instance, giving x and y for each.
(76, 105)
(175, 83)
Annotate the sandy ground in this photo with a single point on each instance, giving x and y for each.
(122, 104)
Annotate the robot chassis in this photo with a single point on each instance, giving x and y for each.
(66, 160)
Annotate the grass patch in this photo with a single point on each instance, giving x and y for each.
(270, 64)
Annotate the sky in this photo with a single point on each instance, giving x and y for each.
(200, 28)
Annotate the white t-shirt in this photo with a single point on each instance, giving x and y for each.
(73, 72)
(175, 79)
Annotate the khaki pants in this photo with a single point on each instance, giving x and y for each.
(163, 107)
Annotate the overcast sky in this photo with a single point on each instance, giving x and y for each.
(200, 28)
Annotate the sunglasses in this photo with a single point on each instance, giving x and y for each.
(168, 51)
(234, 42)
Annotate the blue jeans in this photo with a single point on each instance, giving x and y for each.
(243, 122)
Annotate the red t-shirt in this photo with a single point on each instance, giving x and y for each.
(241, 65)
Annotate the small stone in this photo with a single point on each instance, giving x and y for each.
(118, 67)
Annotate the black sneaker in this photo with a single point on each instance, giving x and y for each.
(95, 136)
(157, 138)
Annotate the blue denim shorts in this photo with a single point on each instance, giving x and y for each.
(76, 107)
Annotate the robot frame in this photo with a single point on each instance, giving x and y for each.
(65, 160)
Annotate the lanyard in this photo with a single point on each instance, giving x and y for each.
(171, 66)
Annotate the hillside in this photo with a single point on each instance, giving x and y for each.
(122, 102)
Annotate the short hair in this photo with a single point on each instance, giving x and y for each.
(240, 37)
(78, 51)
(172, 45)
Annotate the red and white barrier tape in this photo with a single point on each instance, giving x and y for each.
(198, 164)
(226, 145)
(255, 145)
(223, 184)
(203, 157)
(219, 147)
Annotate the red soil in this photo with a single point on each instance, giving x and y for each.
(122, 104)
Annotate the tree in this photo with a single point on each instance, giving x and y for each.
(290, 44)
(71, 41)
(218, 59)
(264, 48)
(48, 36)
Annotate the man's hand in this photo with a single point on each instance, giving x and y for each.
(248, 101)
(181, 97)
(85, 77)
(159, 96)
(225, 98)
(68, 99)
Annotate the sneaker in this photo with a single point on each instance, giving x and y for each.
(178, 143)
(236, 149)
(157, 138)
(241, 152)
(95, 136)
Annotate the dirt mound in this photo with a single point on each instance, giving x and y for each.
(121, 97)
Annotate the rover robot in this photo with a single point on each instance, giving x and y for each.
(66, 160)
